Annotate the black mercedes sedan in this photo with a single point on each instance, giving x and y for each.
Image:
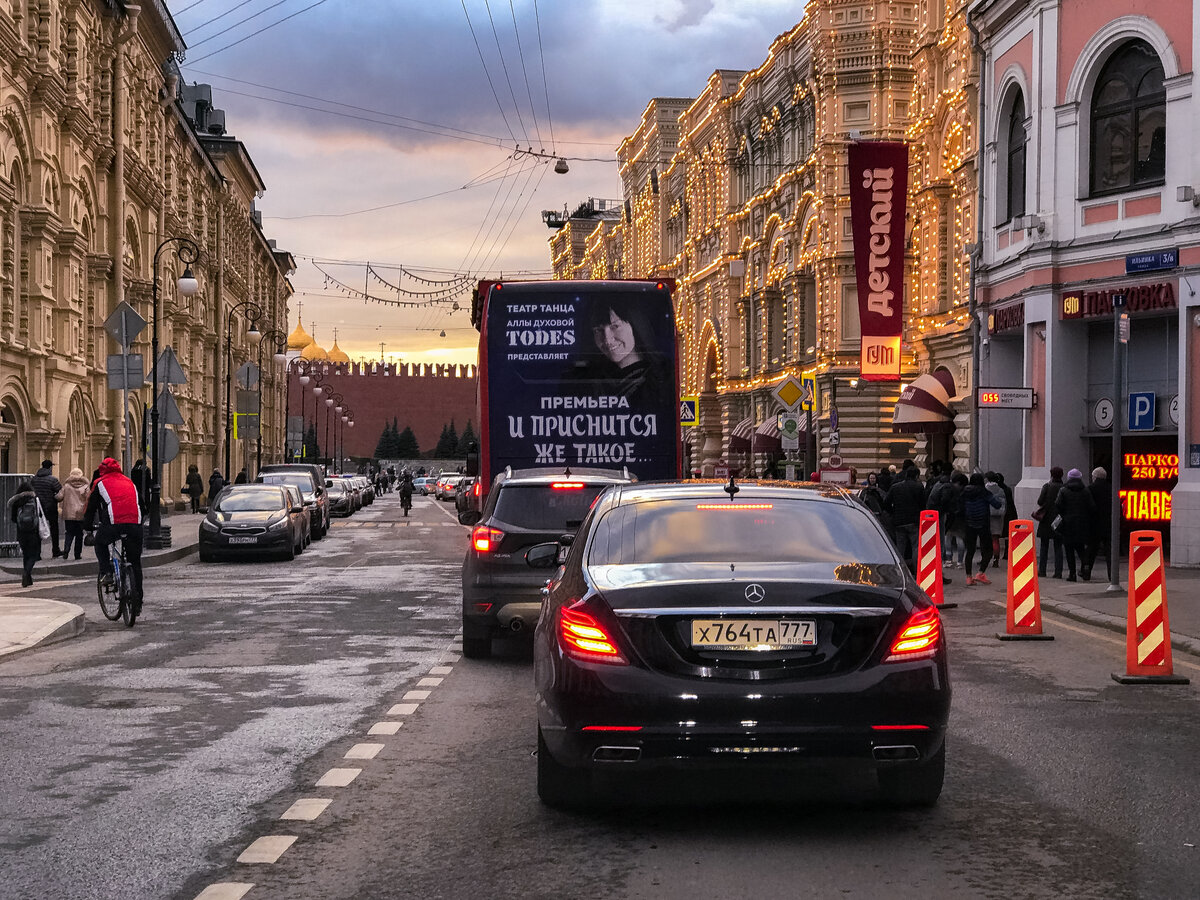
(251, 519)
(735, 628)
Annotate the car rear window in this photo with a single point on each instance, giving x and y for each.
(542, 507)
(246, 501)
(759, 530)
(302, 480)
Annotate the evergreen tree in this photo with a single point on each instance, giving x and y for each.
(465, 440)
(384, 446)
(393, 442)
(451, 441)
(406, 445)
(441, 450)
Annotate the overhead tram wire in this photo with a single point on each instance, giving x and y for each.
(523, 170)
(519, 216)
(190, 6)
(496, 242)
(525, 71)
(545, 84)
(488, 74)
(504, 65)
(261, 30)
(482, 222)
(216, 18)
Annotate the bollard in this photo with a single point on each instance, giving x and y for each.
(929, 559)
(1148, 632)
(1024, 615)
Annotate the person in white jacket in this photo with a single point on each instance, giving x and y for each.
(997, 515)
(74, 497)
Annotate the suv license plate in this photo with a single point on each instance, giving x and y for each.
(753, 634)
(253, 539)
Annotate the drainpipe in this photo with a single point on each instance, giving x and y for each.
(977, 254)
(217, 272)
(125, 32)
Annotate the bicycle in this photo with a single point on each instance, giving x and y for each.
(117, 599)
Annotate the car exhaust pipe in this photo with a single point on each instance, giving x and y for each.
(517, 624)
(617, 754)
(896, 753)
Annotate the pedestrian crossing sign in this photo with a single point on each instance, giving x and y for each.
(689, 411)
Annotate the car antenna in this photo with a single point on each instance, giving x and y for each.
(731, 489)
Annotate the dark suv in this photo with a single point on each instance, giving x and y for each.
(316, 498)
(501, 593)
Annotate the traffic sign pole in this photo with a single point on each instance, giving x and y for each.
(1114, 477)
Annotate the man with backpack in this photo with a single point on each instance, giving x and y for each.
(115, 502)
(26, 512)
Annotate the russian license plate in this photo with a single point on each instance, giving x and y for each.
(753, 634)
(252, 539)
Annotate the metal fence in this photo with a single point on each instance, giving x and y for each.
(8, 528)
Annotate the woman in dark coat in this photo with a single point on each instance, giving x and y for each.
(1077, 509)
(216, 481)
(194, 487)
(1045, 532)
(29, 539)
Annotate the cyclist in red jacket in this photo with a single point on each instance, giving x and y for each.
(114, 501)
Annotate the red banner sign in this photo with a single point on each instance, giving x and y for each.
(878, 201)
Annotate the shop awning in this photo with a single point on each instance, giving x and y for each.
(766, 437)
(743, 431)
(924, 405)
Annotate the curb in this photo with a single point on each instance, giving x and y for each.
(67, 624)
(1181, 642)
(87, 566)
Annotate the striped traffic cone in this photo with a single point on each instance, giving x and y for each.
(929, 559)
(1148, 632)
(1024, 617)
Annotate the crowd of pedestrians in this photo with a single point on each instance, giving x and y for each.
(974, 512)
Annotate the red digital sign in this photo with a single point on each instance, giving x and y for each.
(1153, 476)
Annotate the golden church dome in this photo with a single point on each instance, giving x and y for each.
(337, 354)
(314, 351)
(299, 339)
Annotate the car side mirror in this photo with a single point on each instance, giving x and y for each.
(297, 509)
(328, 482)
(542, 556)
(566, 540)
(469, 517)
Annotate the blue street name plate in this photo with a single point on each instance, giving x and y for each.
(1152, 262)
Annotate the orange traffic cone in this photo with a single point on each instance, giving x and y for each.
(1024, 616)
(1148, 632)
(929, 559)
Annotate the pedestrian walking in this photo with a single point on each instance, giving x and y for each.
(194, 486)
(46, 486)
(25, 509)
(74, 497)
(956, 526)
(904, 502)
(977, 504)
(1010, 510)
(941, 499)
(140, 476)
(1044, 514)
(216, 483)
(996, 526)
(1101, 536)
(871, 497)
(242, 478)
(1077, 509)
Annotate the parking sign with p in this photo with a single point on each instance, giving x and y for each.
(1141, 411)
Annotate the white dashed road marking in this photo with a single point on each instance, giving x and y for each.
(267, 849)
(226, 890)
(403, 709)
(441, 670)
(417, 695)
(385, 728)
(429, 682)
(338, 777)
(306, 810)
(364, 751)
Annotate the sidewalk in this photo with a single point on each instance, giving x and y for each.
(27, 621)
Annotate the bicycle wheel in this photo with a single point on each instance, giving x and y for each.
(128, 595)
(110, 603)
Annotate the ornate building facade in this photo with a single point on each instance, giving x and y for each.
(108, 166)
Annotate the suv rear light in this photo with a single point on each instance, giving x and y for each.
(567, 485)
(475, 489)
(583, 638)
(919, 637)
(485, 539)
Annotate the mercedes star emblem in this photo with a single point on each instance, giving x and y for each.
(755, 592)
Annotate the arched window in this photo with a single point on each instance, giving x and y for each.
(1129, 121)
(1014, 202)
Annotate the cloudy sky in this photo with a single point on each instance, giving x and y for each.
(390, 132)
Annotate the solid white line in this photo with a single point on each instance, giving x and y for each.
(225, 890)
(363, 751)
(417, 695)
(267, 849)
(338, 777)
(385, 728)
(306, 810)
(403, 709)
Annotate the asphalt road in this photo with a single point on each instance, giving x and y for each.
(147, 762)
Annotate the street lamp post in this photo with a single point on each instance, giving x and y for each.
(347, 418)
(301, 366)
(334, 399)
(187, 252)
(279, 356)
(253, 313)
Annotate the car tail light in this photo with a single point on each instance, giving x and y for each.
(583, 638)
(919, 637)
(566, 485)
(485, 539)
(476, 488)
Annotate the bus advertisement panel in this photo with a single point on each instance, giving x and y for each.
(579, 373)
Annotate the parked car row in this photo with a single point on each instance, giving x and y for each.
(287, 507)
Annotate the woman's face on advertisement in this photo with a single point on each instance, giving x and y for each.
(615, 340)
